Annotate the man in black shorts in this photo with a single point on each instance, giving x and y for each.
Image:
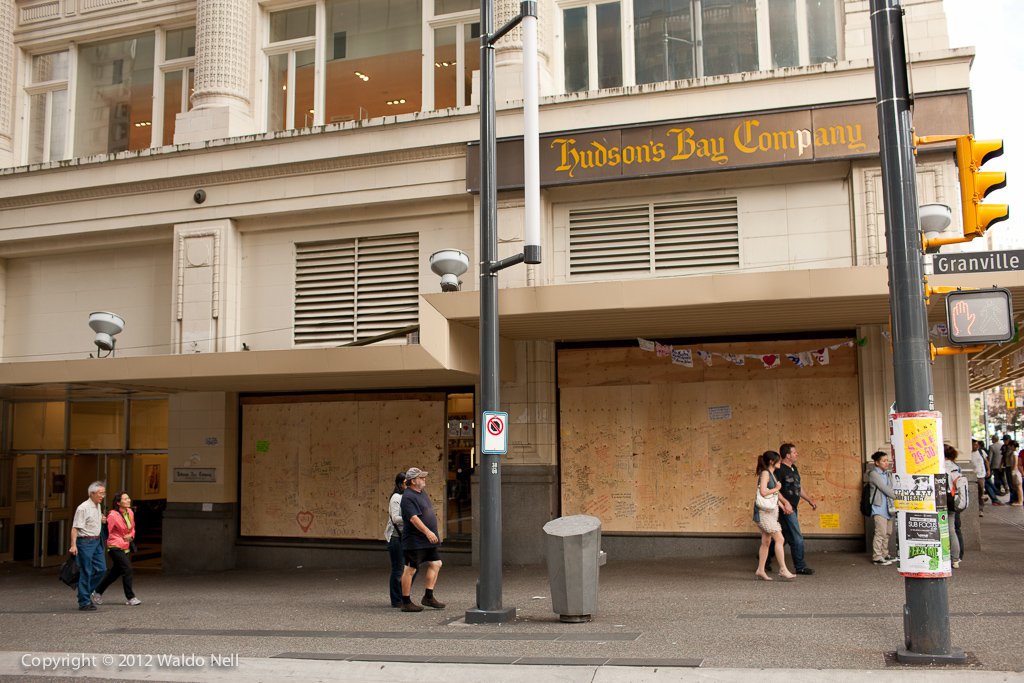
(419, 540)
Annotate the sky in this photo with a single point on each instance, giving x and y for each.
(996, 30)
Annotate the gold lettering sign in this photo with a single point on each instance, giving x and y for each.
(762, 139)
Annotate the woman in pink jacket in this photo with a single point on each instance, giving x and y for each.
(120, 539)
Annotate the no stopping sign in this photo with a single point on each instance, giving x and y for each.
(495, 434)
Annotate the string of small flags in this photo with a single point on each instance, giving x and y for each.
(685, 357)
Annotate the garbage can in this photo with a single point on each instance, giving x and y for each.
(574, 553)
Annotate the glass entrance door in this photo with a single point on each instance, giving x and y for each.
(115, 470)
(461, 461)
(56, 509)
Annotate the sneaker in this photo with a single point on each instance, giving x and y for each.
(96, 598)
(432, 602)
(412, 607)
(883, 563)
(86, 608)
(806, 571)
(133, 602)
(956, 564)
(891, 558)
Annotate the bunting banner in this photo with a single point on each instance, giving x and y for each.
(801, 359)
(682, 357)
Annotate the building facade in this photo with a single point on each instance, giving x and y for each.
(256, 187)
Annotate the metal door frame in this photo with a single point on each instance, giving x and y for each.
(45, 514)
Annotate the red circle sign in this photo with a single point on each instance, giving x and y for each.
(494, 426)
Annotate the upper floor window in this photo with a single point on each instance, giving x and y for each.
(626, 42)
(47, 92)
(290, 68)
(114, 104)
(178, 71)
(127, 95)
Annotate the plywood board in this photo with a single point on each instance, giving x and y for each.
(325, 469)
(650, 447)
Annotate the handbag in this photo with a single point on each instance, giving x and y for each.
(68, 573)
(132, 548)
(765, 503)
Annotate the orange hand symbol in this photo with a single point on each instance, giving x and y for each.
(962, 318)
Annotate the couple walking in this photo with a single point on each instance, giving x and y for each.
(775, 512)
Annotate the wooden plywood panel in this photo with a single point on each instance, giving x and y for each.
(647, 454)
(326, 469)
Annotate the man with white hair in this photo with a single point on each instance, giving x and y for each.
(87, 546)
(419, 541)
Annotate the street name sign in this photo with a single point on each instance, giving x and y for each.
(978, 262)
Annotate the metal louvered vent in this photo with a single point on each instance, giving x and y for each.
(654, 237)
(347, 290)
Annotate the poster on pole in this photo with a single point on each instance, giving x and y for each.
(917, 442)
(919, 483)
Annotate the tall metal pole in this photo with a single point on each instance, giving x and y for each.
(926, 613)
(488, 590)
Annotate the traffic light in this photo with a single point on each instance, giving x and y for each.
(980, 316)
(975, 184)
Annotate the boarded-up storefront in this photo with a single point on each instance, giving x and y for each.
(324, 466)
(649, 445)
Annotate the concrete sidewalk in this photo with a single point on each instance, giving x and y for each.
(659, 621)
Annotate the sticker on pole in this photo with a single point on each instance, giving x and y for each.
(495, 434)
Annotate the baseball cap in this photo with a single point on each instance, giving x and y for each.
(414, 473)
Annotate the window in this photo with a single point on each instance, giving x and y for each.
(656, 237)
(371, 62)
(356, 288)
(291, 66)
(592, 46)
(610, 44)
(374, 58)
(178, 70)
(456, 57)
(114, 104)
(128, 95)
(48, 107)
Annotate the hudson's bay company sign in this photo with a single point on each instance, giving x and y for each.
(700, 145)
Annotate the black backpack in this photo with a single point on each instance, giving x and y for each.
(865, 499)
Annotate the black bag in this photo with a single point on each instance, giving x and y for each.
(69, 572)
(865, 499)
(132, 548)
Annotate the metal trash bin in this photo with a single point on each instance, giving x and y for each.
(573, 551)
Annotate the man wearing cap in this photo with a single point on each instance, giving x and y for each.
(419, 541)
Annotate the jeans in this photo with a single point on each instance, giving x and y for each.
(397, 567)
(992, 489)
(956, 538)
(91, 567)
(794, 539)
(120, 566)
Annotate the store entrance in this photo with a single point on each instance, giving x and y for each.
(461, 461)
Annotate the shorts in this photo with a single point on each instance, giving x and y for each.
(417, 556)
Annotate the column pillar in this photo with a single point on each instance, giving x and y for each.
(508, 52)
(221, 104)
(205, 299)
(7, 10)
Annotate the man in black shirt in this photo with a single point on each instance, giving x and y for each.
(419, 540)
(789, 475)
